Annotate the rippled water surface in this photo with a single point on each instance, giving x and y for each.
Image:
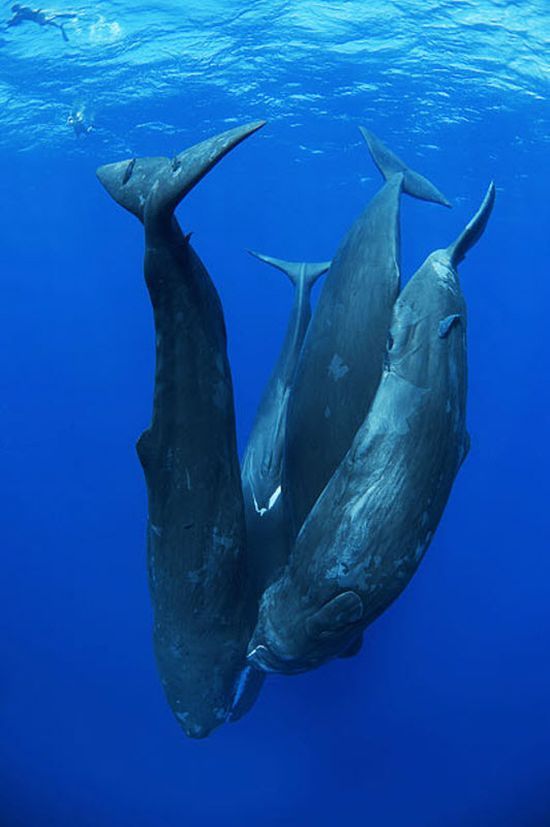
(433, 63)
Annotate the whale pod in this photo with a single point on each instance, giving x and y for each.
(343, 353)
(371, 526)
(196, 529)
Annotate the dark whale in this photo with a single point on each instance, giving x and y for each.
(343, 351)
(371, 526)
(196, 528)
(267, 534)
(268, 540)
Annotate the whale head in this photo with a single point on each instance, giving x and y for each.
(294, 635)
(199, 674)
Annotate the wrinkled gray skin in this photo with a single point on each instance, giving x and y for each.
(266, 524)
(196, 529)
(343, 352)
(370, 528)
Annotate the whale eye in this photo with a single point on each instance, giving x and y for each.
(390, 341)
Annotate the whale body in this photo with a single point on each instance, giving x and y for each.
(342, 359)
(262, 466)
(196, 545)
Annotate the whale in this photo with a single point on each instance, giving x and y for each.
(262, 464)
(267, 535)
(343, 353)
(196, 534)
(371, 526)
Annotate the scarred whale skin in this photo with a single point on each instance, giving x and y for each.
(196, 529)
(262, 466)
(343, 352)
(370, 528)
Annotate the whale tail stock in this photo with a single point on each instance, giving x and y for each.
(296, 271)
(389, 164)
(159, 184)
(475, 228)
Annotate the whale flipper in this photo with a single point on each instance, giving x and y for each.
(473, 231)
(295, 270)
(389, 164)
(343, 610)
(161, 183)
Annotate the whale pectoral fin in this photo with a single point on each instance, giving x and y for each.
(353, 649)
(341, 611)
(446, 325)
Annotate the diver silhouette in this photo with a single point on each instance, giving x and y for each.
(80, 123)
(21, 14)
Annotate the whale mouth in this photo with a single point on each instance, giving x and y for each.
(261, 657)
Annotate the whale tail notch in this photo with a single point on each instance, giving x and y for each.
(297, 272)
(475, 228)
(141, 185)
(389, 164)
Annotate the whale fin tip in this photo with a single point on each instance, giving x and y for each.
(389, 164)
(297, 272)
(475, 228)
(157, 185)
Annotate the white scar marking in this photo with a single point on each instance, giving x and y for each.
(337, 368)
(270, 503)
(274, 497)
(260, 511)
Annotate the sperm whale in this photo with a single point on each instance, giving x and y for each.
(196, 529)
(371, 526)
(343, 353)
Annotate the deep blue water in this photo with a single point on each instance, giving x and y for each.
(444, 717)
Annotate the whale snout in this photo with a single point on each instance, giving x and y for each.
(197, 731)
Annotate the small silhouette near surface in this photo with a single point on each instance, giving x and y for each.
(22, 14)
(80, 122)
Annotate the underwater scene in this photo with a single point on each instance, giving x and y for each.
(275, 427)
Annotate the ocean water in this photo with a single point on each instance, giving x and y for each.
(443, 719)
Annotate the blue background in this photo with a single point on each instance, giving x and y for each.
(444, 717)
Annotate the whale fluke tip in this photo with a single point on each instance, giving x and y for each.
(297, 272)
(475, 228)
(389, 164)
(157, 185)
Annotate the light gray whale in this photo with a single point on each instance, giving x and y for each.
(196, 528)
(343, 352)
(371, 526)
(267, 532)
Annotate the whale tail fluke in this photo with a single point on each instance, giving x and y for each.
(473, 231)
(157, 185)
(389, 164)
(297, 272)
